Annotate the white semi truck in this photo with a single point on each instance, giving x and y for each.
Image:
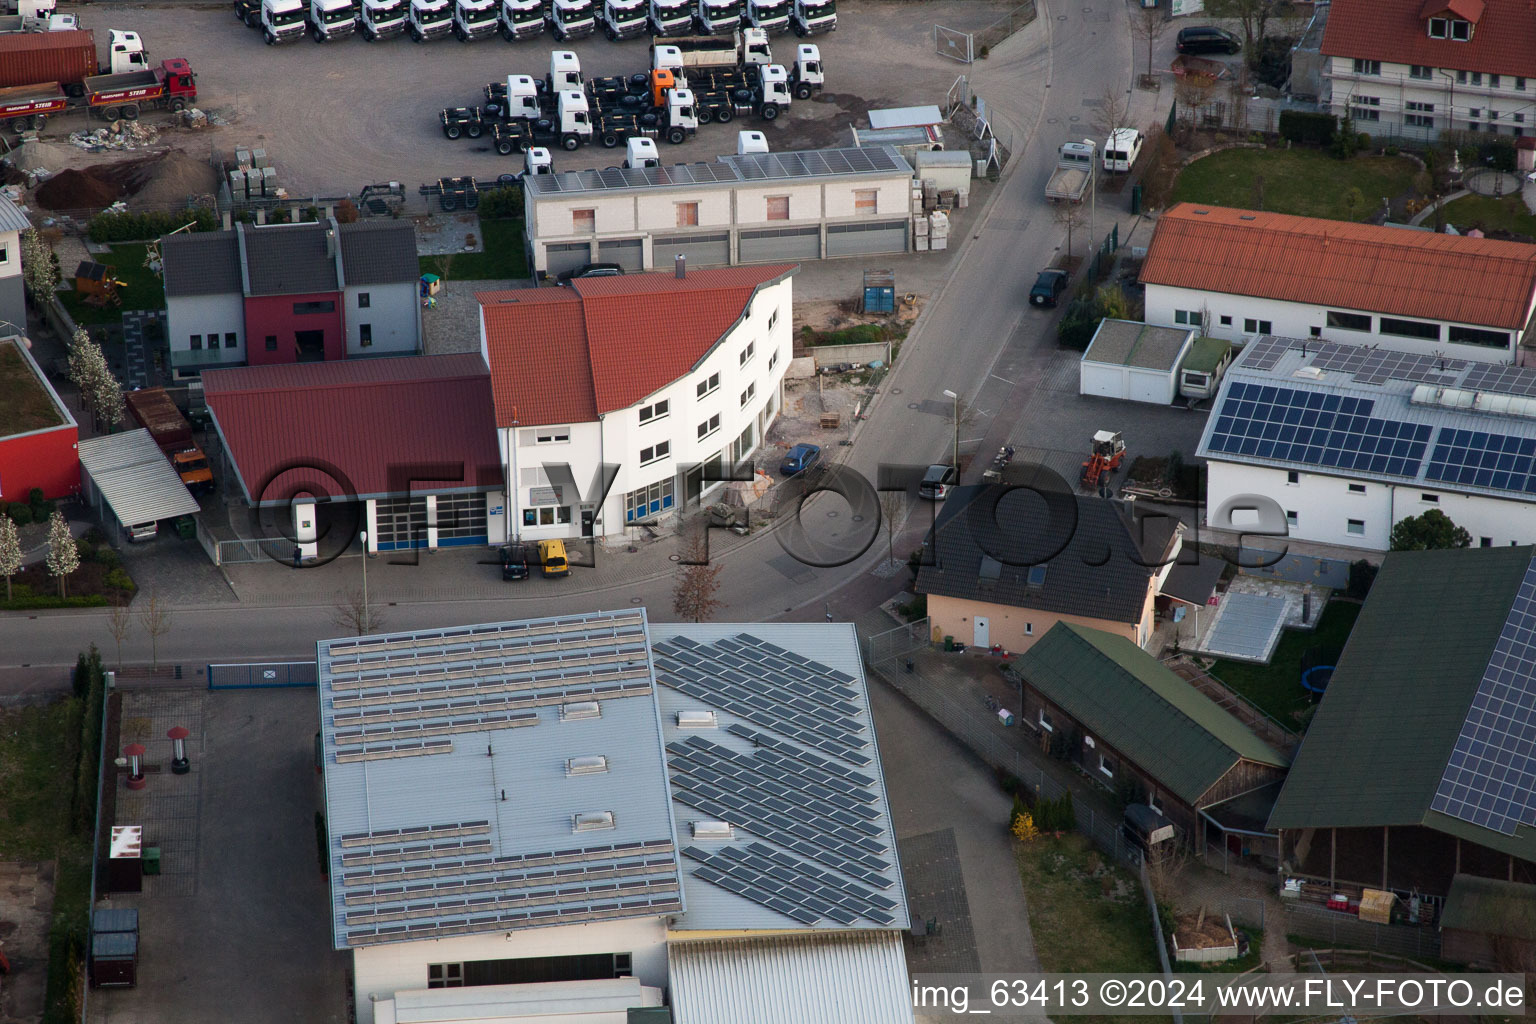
(331, 19)
(382, 19)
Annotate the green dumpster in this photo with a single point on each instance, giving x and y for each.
(186, 528)
(1136, 198)
(949, 643)
(151, 860)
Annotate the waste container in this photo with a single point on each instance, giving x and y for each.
(151, 860)
(1136, 198)
(949, 643)
(186, 528)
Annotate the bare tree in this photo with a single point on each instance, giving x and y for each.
(1194, 93)
(1148, 23)
(1113, 112)
(155, 617)
(119, 622)
(1070, 216)
(354, 614)
(1165, 869)
(694, 593)
(892, 504)
(1254, 17)
(10, 551)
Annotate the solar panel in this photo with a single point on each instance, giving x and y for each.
(1509, 380)
(1263, 352)
(1314, 428)
(750, 167)
(1482, 459)
(1490, 779)
(789, 886)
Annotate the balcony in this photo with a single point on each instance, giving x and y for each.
(206, 358)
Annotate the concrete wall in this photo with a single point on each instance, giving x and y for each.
(1299, 320)
(186, 315)
(385, 970)
(394, 314)
(1324, 505)
(1016, 629)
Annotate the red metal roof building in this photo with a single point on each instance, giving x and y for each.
(411, 437)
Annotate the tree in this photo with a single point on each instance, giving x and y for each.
(100, 391)
(119, 622)
(40, 268)
(355, 615)
(1194, 93)
(155, 617)
(693, 595)
(10, 552)
(1148, 23)
(1113, 112)
(63, 555)
(1353, 200)
(1024, 829)
(1429, 532)
(891, 505)
(1070, 216)
(1254, 17)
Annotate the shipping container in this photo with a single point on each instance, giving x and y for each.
(153, 408)
(34, 58)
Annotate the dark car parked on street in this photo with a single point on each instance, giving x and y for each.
(591, 270)
(514, 562)
(800, 458)
(1207, 39)
(1048, 288)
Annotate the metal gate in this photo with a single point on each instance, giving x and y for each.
(867, 239)
(948, 42)
(887, 647)
(712, 250)
(628, 253)
(562, 256)
(780, 244)
(263, 675)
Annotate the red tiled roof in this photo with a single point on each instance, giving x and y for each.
(1396, 271)
(287, 426)
(1503, 37)
(567, 355)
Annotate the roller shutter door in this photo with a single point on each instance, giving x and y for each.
(701, 250)
(626, 252)
(858, 239)
(780, 244)
(563, 256)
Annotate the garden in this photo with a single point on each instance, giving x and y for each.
(75, 573)
(140, 287)
(502, 256)
(1276, 687)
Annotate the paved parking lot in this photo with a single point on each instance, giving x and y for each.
(337, 116)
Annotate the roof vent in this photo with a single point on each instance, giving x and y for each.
(592, 821)
(696, 720)
(590, 764)
(712, 830)
(1247, 216)
(1313, 372)
(580, 709)
(1201, 213)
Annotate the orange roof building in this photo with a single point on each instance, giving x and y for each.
(620, 400)
(1239, 273)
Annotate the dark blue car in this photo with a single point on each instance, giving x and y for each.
(800, 458)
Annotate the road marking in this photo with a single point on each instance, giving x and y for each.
(1005, 380)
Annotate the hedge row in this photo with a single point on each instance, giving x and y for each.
(138, 227)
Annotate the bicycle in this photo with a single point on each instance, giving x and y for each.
(992, 704)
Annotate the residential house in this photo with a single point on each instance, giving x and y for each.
(1417, 765)
(1235, 274)
(1097, 699)
(1417, 68)
(1006, 566)
(286, 293)
(667, 382)
(13, 295)
(1348, 441)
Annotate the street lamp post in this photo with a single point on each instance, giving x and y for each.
(364, 535)
(956, 399)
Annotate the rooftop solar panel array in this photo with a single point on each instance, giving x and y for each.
(814, 163)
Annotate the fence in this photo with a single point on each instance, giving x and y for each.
(1339, 929)
(263, 675)
(954, 44)
(1004, 27)
(1260, 722)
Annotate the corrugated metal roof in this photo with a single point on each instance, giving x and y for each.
(905, 117)
(11, 217)
(1398, 31)
(562, 1000)
(450, 804)
(1343, 265)
(1147, 347)
(808, 979)
(764, 767)
(359, 418)
(135, 478)
(206, 263)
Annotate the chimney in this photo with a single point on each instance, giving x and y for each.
(680, 266)
(330, 243)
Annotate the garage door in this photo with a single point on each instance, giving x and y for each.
(563, 256)
(626, 252)
(859, 239)
(780, 244)
(701, 250)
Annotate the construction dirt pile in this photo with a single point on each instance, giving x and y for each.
(160, 182)
(76, 190)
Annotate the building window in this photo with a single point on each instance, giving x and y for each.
(1439, 28)
(1410, 328)
(1469, 78)
(1316, 332)
(362, 300)
(1519, 119)
(1107, 765)
(1461, 31)
(709, 426)
(778, 207)
(747, 353)
(654, 411)
(1433, 499)
(231, 339)
(773, 360)
(1224, 321)
(1420, 71)
(1485, 542)
(1419, 115)
(1357, 488)
(660, 450)
(1476, 336)
(648, 501)
(750, 393)
(1356, 527)
(1365, 108)
(1493, 81)
(1367, 67)
(1045, 721)
(1348, 321)
(1519, 84)
(271, 343)
(552, 435)
(742, 445)
(584, 221)
(1252, 326)
(445, 975)
(313, 308)
(1029, 629)
(1290, 517)
(773, 318)
(197, 342)
(1293, 478)
(706, 386)
(687, 215)
(547, 515)
(365, 335)
(5, 254)
(865, 201)
(1187, 317)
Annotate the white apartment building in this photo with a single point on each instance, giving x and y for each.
(1414, 69)
(667, 380)
(13, 294)
(1237, 274)
(759, 208)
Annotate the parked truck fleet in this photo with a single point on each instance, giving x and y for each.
(43, 74)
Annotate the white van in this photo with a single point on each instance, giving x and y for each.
(143, 531)
(1121, 150)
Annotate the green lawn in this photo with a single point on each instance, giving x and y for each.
(1304, 182)
(502, 258)
(1487, 213)
(1276, 687)
(141, 287)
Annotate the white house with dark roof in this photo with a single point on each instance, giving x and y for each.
(286, 293)
(13, 296)
(666, 785)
